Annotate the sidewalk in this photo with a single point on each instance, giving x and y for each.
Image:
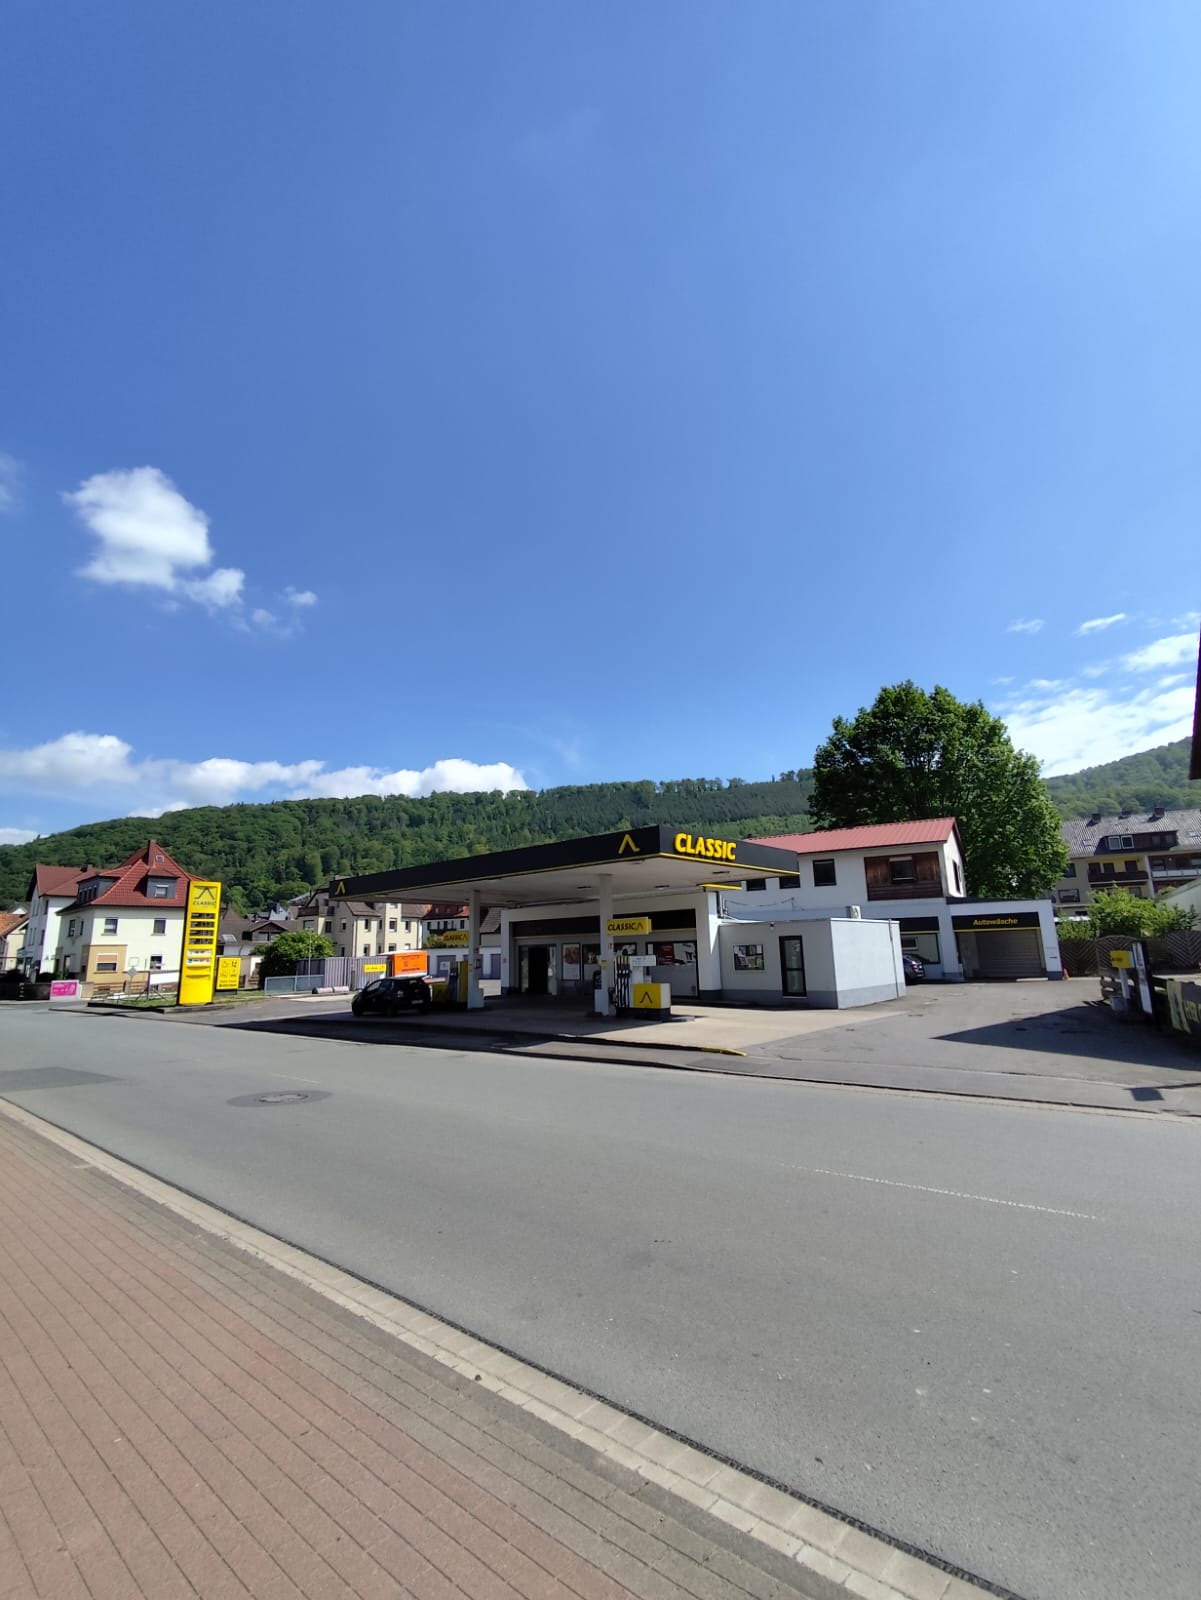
(179, 1417)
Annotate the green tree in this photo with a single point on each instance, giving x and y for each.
(282, 954)
(912, 755)
(1118, 912)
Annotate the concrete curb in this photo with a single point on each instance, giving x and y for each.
(838, 1558)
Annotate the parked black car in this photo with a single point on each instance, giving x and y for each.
(915, 971)
(387, 996)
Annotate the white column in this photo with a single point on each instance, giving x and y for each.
(475, 995)
(605, 899)
(507, 979)
(708, 953)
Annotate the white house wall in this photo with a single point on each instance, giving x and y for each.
(848, 962)
(135, 939)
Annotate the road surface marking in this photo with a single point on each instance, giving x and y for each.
(953, 1194)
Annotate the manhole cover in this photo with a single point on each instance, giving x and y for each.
(279, 1097)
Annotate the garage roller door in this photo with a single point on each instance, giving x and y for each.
(1010, 953)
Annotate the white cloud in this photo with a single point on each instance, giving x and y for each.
(11, 475)
(104, 763)
(1167, 652)
(1083, 727)
(151, 537)
(453, 775)
(222, 588)
(1099, 624)
(1032, 626)
(17, 835)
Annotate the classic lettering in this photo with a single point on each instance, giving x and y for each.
(686, 844)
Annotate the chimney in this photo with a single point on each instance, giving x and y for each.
(1156, 814)
(1094, 819)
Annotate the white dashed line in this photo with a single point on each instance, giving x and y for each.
(953, 1194)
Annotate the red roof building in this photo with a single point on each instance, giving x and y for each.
(875, 836)
(124, 919)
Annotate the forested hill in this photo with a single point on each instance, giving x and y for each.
(1156, 777)
(266, 852)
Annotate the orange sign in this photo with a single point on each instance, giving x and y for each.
(401, 962)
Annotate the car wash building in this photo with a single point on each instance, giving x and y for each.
(588, 918)
(912, 873)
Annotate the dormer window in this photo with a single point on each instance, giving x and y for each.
(160, 888)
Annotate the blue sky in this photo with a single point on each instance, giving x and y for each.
(418, 395)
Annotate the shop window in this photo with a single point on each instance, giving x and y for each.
(748, 958)
(755, 885)
(824, 875)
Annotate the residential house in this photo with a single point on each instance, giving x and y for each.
(50, 889)
(442, 918)
(361, 927)
(127, 918)
(911, 873)
(1147, 853)
(12, 937)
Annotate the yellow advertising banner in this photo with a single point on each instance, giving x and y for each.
(229, 972)
(453, 938)
(198, 959)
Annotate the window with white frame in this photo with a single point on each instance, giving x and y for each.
(160, 926)
(110, 927)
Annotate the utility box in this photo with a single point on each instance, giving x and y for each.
(650, 999)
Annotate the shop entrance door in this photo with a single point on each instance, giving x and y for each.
(792, 966)
(535, 969)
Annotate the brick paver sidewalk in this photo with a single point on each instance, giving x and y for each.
(179, 1420)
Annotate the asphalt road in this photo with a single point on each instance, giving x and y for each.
(974, 1326)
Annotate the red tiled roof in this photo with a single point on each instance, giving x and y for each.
(10, 920)
(57, 880)
(876, 836)
(131, 876)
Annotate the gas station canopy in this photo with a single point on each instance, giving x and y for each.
(639, 861)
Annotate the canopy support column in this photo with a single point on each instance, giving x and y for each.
(605, 898)
(475, 995)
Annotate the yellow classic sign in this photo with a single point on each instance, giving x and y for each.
(229, 972)
(628, 925)
(688, 844)
(453, 938)
(198, 962)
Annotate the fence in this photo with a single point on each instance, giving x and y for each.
(322, 972)
(1171, 952)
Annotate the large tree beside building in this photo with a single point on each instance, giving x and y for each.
(912, 754)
